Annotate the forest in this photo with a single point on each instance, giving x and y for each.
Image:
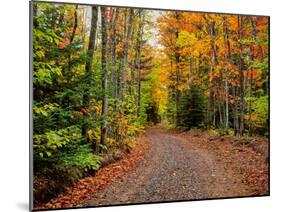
(103, 75)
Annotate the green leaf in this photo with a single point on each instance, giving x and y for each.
(48, 154)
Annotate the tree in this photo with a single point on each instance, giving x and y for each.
(139, 47)
(213, 52)
(88, 67)
(191, 109)
(241, 73)
(104, 75)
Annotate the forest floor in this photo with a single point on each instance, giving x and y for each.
(171, 165)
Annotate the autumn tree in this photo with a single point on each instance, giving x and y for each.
(216, 53)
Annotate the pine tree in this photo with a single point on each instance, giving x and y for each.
(191, 108)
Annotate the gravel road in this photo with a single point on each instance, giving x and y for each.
(171, 169)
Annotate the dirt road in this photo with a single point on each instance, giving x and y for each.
(172, 169)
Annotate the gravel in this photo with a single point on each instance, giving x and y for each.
(170, 170)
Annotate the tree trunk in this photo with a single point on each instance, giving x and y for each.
(88, 68)
(228, 59)
(250, 103)
(241, 73)
(83, 31)
(235, 111)
(75, 24)
(127, 38)
(220, 114)
(140, 34)
(177, 61)
(214, 111)
(132, 83)
(226, 106)
(255, 34)
(133, 66)
(209, 113)
(104, 76)
(35, 14)
(113, 55)
(67, 101)
(214, 64)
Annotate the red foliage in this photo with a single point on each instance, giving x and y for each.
(64, 43)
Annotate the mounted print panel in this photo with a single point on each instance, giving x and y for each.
(137, 105)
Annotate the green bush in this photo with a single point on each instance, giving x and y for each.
(260, 115)
(58, 171)
(81, 158)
